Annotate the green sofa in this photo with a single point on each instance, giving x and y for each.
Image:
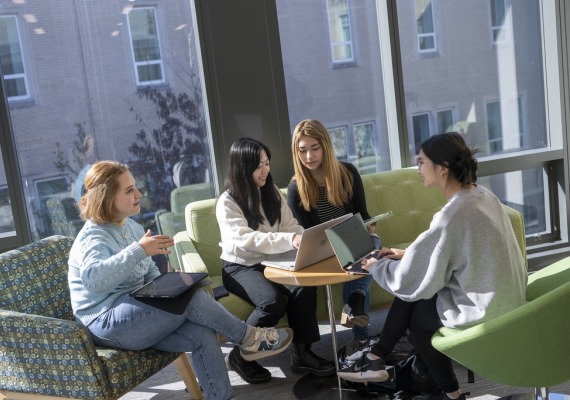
(400, 191)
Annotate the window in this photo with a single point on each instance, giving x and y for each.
(421, 130)
(145, 46)
(498, 13)
(12, 59)
(364, 136)
(498, 140)
(445, 121)
(425, 26)
(339, 27)
(338, 137)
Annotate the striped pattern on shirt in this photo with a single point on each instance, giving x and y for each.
(325, 210)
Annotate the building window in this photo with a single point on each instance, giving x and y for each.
(498, 14)
(425, 25)
(364, 136)
(420, 124)
(340, 35)
(338, 137)
(12, 60)
(145, 46)
(497, 139)
(444, 119)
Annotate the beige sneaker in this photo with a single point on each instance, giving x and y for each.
(267, 342)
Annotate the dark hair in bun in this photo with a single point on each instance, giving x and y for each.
(449, 150)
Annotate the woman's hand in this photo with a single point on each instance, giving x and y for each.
(371, 228)
(396, 254)
(296, 242)
(157, 244)
(375, 256)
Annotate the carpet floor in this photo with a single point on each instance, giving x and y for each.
(285, 385)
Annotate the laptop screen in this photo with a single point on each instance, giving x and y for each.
(350, 240)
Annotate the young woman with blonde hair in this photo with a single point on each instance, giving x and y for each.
(111, 257)
(324, 188)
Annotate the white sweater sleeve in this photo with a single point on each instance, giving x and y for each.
(246, 246)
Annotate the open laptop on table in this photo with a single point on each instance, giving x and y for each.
(172, 291)
(351, 243)
(314, 247)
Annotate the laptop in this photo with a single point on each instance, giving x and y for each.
(314, 247)
(351, 242)
(172, 291)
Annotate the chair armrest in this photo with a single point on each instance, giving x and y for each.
(189, 259)
(35, 348)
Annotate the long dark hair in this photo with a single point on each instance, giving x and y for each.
(244, 157)
(450, 150)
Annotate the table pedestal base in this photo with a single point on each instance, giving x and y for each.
(326, 388)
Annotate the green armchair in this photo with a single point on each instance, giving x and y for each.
(44, 353)
(526, 347)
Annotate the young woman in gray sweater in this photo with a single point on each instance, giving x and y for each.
(465, 269)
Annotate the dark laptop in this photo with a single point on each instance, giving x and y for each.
(351, 243)
(172, 291)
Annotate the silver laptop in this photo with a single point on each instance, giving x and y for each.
(314, 247)
(351, 243)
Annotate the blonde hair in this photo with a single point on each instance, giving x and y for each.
(338, 180)
(101, 186)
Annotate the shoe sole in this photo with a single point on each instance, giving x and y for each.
(317, 372)
(359, 320)
(258, 355)
(251, 381)
(352, 377)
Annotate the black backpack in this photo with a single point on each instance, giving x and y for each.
(408, 373)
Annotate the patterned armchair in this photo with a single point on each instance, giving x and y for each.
(44, 353)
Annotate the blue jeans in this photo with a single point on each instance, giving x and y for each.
(361, 285)
(133, 325)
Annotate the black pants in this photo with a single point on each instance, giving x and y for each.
(272, 301)
(422, 319)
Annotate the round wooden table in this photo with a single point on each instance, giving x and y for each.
(324, 273)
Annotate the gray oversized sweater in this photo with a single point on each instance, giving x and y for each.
(469, 256)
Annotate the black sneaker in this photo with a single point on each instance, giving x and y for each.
(364, 370)
(250, 371)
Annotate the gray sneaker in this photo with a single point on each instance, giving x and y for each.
(268, 342)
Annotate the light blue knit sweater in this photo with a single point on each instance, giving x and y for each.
(105, 262)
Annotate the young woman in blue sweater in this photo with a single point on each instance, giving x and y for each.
(465, 269)
(111, 257)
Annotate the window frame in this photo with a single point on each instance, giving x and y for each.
(136, 64)
(421, 36)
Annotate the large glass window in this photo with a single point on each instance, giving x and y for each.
(352, 98)
(90, 109)
(12, 59)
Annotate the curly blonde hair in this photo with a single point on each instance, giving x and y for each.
(338, 180)
(101, 186)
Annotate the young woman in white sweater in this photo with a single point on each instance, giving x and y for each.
(465, 269)
(255, 221)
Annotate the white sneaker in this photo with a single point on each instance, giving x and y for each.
(267, 342)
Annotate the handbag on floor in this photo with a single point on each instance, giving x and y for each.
(408, 374)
